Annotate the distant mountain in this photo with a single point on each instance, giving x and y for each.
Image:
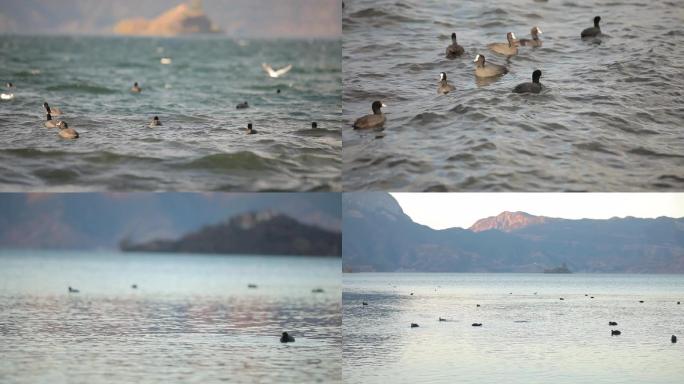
(101, 220)
(261, 233)
(507, 222)
(183, 19)
(378, 236)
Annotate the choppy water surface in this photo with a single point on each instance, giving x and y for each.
(524, 337)
(192, 318)
(609, 118)
(200, 145)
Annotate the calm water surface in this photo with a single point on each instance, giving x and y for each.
(192, 318)
(201, 145)
(609, 119)
(528, 334)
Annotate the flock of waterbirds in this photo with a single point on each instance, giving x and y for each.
(66, 132)
(613, 332)
(483, 69)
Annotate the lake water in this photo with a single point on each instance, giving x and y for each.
(201, 145)
(609, 118)
(524, 337)
(191, 319)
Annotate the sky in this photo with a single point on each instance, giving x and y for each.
(448, 210)
(239, 18)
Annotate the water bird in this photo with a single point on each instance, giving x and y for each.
(593, 31)
(242, 105)
(641, 301)
(612, 323)
(592, 297)
(414, 325)
(278, 91)
(562, 298)
(478, 305)
(535, 41)
(533, 87)
(155, 122)
(477, 324)
(364, 303)
(411, 293)
(444, 86)
(440, 319)
(673, 339)
(49, 123)
(376, 120)
(136, 88)
(52, 110)
(678, 303)
(614, 332)
(285, 338)
(134, 286)
(251, 286)
(250, 130)
(10, 94)
(314, 125)
(317, 290)
(65, 132)
(454, 50)
(276, 72)
(484, 69)
(73, 290)
(165, 60)
(508, 49)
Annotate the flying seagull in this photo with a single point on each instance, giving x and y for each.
(276, 73)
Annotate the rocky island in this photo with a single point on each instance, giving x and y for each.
(183, 19)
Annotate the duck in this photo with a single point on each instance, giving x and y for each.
(441, 319)
(507, 49)
(533, 87)
(49, 123)
(285, 338)
(673, 339)
(242, 105)
(444, 86)
(10, 94)
(562, 298)
(376, 120)
(250, 130)
(253, 286)
(52, 110)
(317, 290)
(477, 324)
(614, 332)
(65, 132)
(155, 122)
(414, 325)
(592, 31)
(612, 323)
(454, 50)
(364, 303)
(314, 125)
(134, 286)
(484, 69)
(136, 88)
(73, 290)
(535, 41)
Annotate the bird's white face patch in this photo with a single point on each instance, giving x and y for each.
(539, 30)
(513, 36)
(476, 59)
(383, 105)
(441, 76)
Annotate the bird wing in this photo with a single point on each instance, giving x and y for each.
(276, 73)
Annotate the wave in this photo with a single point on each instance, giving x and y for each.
(244, 160)
(84, 88)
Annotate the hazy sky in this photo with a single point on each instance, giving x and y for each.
(446, 210)
(249, 18)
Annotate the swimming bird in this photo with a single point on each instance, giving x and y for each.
(10, 94)
(562, 298)
(414, 325)
(49, 123)
(478, 305)
(52, 110)
(614, 332)
(535, 41)
(477, 324)
(508, 49)
(454, 50)
(136, 88)
(444, 86)
(73, 290)
(440, 319)
(155, 122)
(278, 91)
(483, 69)
(251, 285)
(678, 303)
(593, 31)
(317, 290)
(376, 120)
(533, 87)
(612, 323)
(65, 132)
(673, 339)
(250, 130)
(364, 303)
(165, 60)
(641, 301)
(285, 338)
(134, 286)
(276, 72)
(314, 125)
(242, 105)
(592, 297)
(411, 293)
